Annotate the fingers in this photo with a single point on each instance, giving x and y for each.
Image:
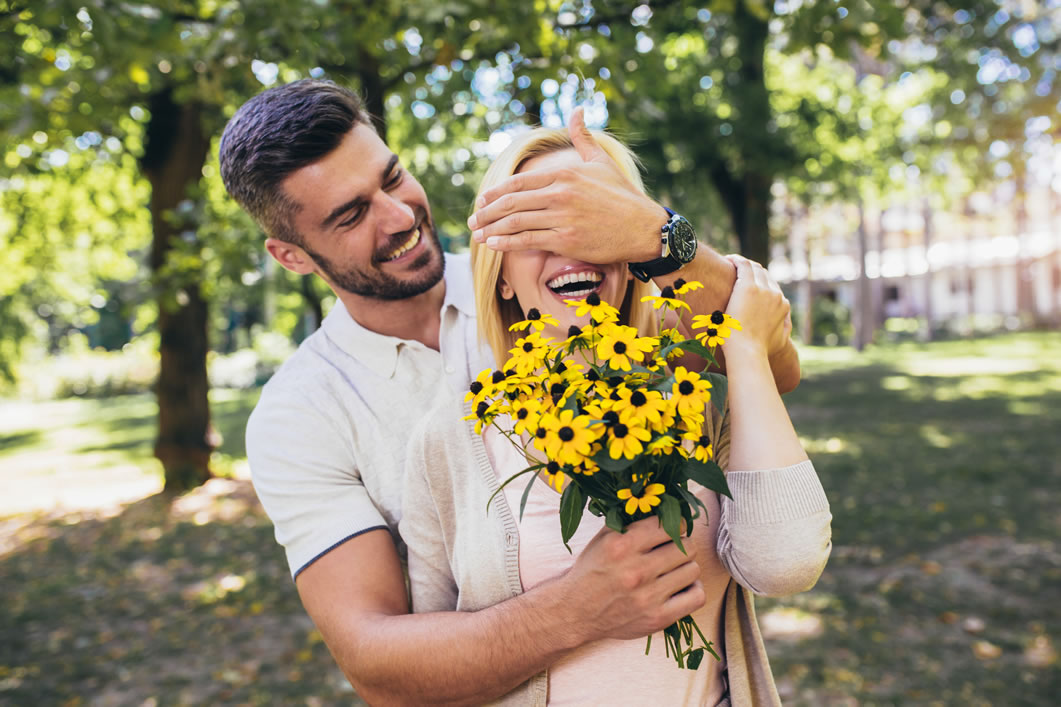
(585, 145)
(524, 181)
(512, 213)
(526, 240)
(685, 602)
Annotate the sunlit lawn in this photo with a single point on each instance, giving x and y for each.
(942, 463)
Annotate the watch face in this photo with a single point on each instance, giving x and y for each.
(682, 240)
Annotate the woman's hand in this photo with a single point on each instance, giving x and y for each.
(762, 309)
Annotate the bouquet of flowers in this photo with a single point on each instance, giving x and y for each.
(605, 421)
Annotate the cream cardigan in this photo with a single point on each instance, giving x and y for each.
(774, 538)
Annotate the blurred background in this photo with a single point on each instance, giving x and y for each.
(897, 164)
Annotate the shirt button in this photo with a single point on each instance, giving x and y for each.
(510, 539)
(450, 369)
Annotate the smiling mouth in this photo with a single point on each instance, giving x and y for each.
(576, 285)
(405, 247)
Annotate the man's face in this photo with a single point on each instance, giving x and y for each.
(365, 221)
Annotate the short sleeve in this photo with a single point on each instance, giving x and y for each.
(307, 477)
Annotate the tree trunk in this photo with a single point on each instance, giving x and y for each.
(927, 214)
(373, 91)
(175, 151)
(747, 194)
(863, 319)
(313, 304)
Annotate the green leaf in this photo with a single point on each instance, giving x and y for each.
(572, 503)
(692, 346)
(664, 385)
(526, 495)
(670, 514)
(708, 474)
(695, 504)
(510, 479)
(694, 658)
(614, 520)
(719, 389)
(604, 461)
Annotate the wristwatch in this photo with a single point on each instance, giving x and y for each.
(679, 247)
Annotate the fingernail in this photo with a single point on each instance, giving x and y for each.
(471, 221)
(477, 236)
(480, 202)
(493, 242)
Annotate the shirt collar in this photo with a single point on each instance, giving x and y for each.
(380, 352)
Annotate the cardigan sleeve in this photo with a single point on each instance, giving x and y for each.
(775, 534)
(432, 586)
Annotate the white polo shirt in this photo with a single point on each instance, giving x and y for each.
(326, 442)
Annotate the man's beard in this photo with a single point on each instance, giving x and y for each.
(374, 283)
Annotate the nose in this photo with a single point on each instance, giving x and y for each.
(395, 216)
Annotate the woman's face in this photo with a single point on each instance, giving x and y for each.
(543, 280)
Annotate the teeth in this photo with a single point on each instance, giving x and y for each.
(587, 276)
(408, 245)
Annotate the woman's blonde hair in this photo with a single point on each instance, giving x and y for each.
(495, 314)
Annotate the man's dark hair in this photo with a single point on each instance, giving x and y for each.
(276, 133)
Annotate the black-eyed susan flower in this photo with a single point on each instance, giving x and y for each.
(484, 414)
(681, 287)
(719, 326)
(626, 440)
(599, 311)
(711, 337)
(648, 499)
(690, 392)
(535, 320)
(661, 446)
(666, 298)
(619, 345)
(528, 354)
(702, 449)
(640, 406)
(480, 388)
(525, 415)
(568, 437)
(554, 476)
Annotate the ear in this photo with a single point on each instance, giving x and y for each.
(504, 289)
(290, 256)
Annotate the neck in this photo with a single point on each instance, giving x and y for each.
(415, 318)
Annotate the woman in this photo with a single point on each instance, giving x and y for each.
(771, 539)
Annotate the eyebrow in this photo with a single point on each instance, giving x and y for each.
(357, 200)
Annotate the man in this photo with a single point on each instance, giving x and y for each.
(326, 441)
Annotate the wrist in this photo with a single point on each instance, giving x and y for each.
(558, 615)
(740, 347)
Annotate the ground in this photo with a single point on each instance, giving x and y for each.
(942, 463)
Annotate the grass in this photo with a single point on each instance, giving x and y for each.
(942, 463)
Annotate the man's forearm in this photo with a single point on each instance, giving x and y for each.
(461, 657)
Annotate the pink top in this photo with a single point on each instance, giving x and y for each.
(612, 671)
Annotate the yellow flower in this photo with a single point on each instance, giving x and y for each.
(599, 312)
(627, 440)
(534, 319)
(638, 406)
(528, 354)
(702, 449)
(568, 438)
(483, 414)
(666, 299)
(689, 392)
(719, 327)
(526, 414)
(682, 287)
(481, 388)
(661, 446)
(648, 499)
(553, 476)
(620, 345)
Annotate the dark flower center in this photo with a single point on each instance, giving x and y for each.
(593, 300)
(573, 331)
(552, 468)
(717, 317)
(619, 347)
(534, 315)
(712, 331)
(522, 413)
(476, 387)
(610, 417)
(703, 441)
(510, 372)
(615, 380)
(480, 411)
(620, 430)
(614, 395)
(638, 398)
(540, 433)
(667, 292)
(497, 377)
(592, 375)
(557, 389)
(528, 347)
(686, 388)
(561, 368)
(679, 283)
(566, 434)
